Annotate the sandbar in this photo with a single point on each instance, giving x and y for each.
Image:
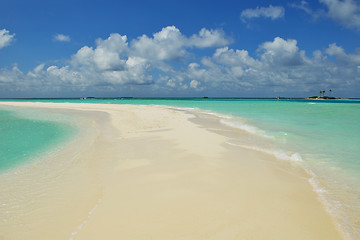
(155, 172)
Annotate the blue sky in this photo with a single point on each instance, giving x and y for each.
(179, 48)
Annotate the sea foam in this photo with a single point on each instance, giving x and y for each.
(245, 127)
(278, 153)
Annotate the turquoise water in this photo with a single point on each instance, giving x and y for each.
(330, 129)
(324, 136)
(22, 138)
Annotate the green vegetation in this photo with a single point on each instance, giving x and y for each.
(322, 95)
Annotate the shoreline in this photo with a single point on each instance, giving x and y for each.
(148, 178)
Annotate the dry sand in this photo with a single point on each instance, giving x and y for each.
(148, 172)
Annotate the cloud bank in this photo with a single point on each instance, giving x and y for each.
(168, 64)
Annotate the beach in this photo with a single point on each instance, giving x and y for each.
(156, 172)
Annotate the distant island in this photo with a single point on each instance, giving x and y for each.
(323, 97)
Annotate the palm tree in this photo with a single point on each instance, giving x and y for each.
(330, 91)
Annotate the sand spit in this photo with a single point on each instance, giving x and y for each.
(148, 172)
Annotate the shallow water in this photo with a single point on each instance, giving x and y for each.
(24, 135)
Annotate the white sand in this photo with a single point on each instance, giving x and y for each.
(146, 172)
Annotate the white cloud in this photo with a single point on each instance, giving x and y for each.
(39, 68)
(10, 76)
(171, 83)
(170, 43)
(278, 67)
(6, 38)
(116, 62)
(273, 12)
(232, 57)
(282, 52)
(36, 71)
(111, 62)
(136, 72)
(281, 67)
(108, 55)
(342, 56)
(208, 38)
(346, 12)
(334, 50)
(304, 5)
(194, 84)
(62, 38)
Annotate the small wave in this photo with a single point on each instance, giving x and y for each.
(333, 206)
(230, 121)
(245, 127)
(320, 190)
(177, 108)
(218, 115)
(279, 154)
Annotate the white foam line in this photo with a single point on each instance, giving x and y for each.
(330, 205)
(228, 120)
(218, 115)
(279, 154)
(246, 127)
(176, 108)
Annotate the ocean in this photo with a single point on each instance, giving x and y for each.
(323, 136)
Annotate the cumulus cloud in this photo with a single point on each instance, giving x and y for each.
(171, 44)
(108, 54)
(232, 57)
(342, 56)
(168, 44)
(273, 12)
(152, 63)
(61, 38)
(112, 62)
(6, 38)
(10, 75)
(136, 72)
(282, 52)
(115, 61)
(346, 12)
(208, 38)
(281, 67)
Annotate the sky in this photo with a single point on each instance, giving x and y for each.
(109, 48)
